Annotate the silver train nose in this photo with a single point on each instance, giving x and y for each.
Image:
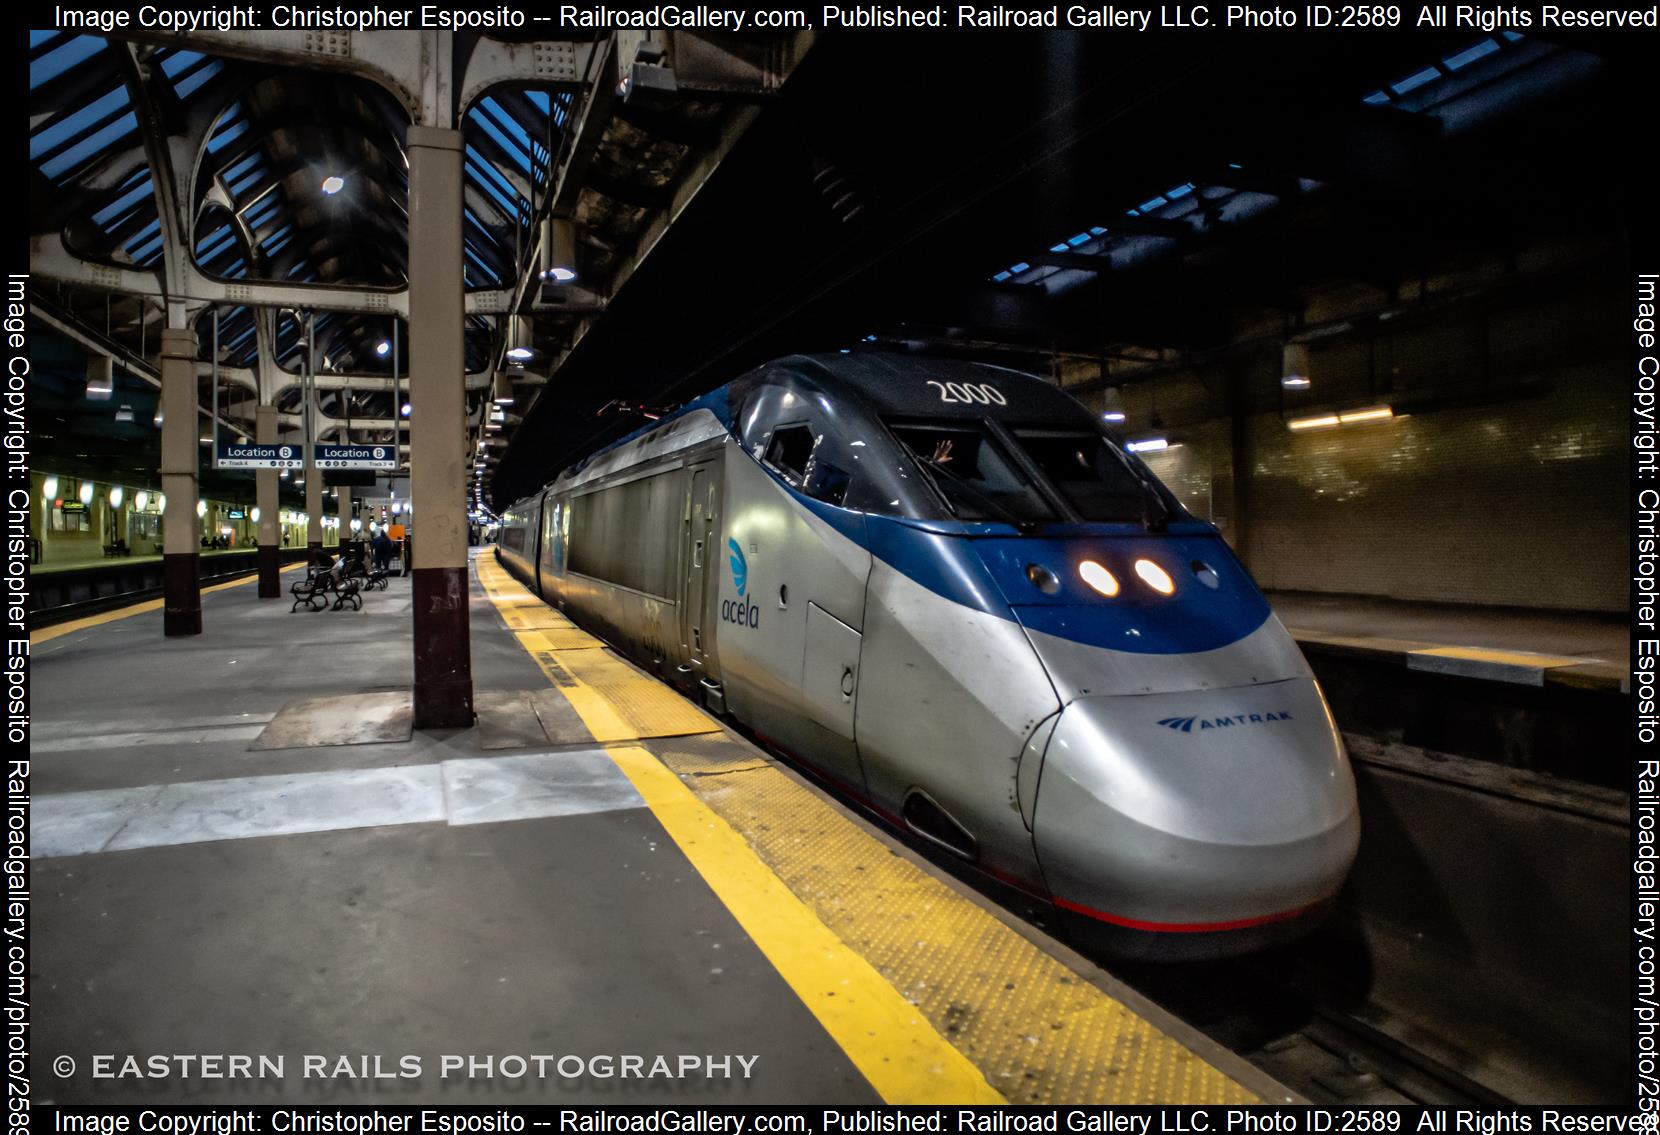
(1199, 812)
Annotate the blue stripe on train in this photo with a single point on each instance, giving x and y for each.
(988, 574)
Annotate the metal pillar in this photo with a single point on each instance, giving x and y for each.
(265, 495)
(437, 385)
(344, 513)
(313, 475)
(180, 467)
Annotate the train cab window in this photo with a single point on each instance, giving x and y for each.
(1086, 471)
(789, 451)
(977, 479)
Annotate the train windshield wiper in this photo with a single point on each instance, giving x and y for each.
(989, 504)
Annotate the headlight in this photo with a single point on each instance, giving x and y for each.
(1099, 578)
(1155, 577)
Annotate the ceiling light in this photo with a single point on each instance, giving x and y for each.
(560, 249)
(333, 184)
(1155, 577)
(1112, 404)
(1098, 577)
(1323, 421)
(1294, 367)
(1148, 445)
(383, 348)
(520, 354)
(158, 419)
(406, 409)
(1370, 414)
(124, 414)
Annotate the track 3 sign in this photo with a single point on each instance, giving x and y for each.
(356, 457)
(258, 457)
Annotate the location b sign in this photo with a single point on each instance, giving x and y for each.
(258, 457)
(356, 456)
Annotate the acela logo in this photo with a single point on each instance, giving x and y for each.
(737, 611)
(740, 567)
(1189, 724)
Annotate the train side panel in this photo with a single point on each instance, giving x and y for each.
(791, 605)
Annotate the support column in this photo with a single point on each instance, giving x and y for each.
(313, 502)
(344, 512)
(265, 495)
(443, 658)
(181, 461)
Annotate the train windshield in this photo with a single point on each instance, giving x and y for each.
(1094, 480)
(977, 478)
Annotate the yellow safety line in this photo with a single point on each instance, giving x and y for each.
(905, 1059)
(894, 1047)
(1503, 657)
(47, 634)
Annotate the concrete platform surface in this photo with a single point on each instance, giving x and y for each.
(1495, 644)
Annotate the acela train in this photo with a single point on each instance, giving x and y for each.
(942, 587)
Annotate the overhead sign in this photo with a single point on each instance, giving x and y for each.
(259, 457)
(331, 456)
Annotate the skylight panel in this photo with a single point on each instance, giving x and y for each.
(67, 126)
(61, 59)
(1075, 241)
(188, 85)
(226, 135)
(84, 150)
(1414, 81)
(1470, 54)
(123, 204)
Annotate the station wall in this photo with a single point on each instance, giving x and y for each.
(1503, 482)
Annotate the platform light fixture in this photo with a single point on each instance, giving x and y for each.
(86, 492)
(560, 248)
(520, 354)
(100, 377)
(383, 348)
(1369, 414)
(254, 515)
(405, 410)
(1112, 405)
(1148, 445)
(117, 494)
(201, 507)
(124, 413)
(158, 419)
(161, 503)
(1318, 422)
(49, 488)
(142, 500)
(333, 184)
(1294, 368)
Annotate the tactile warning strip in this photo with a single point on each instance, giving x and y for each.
(615, 701)
(1038, 1031)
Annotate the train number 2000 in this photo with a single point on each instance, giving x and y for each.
(983, 393)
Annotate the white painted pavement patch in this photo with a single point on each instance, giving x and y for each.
(133, 724)
(478, 791)
(488, 790)
(139, 740)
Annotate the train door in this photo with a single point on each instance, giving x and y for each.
(701, 553)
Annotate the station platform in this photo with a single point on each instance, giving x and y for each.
(241, 846)
(1530, 648)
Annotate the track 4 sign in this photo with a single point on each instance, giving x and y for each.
(258, 457)
(356, 457)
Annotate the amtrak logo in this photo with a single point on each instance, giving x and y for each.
(740, 567)
(737, 611)
(1189, 724)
